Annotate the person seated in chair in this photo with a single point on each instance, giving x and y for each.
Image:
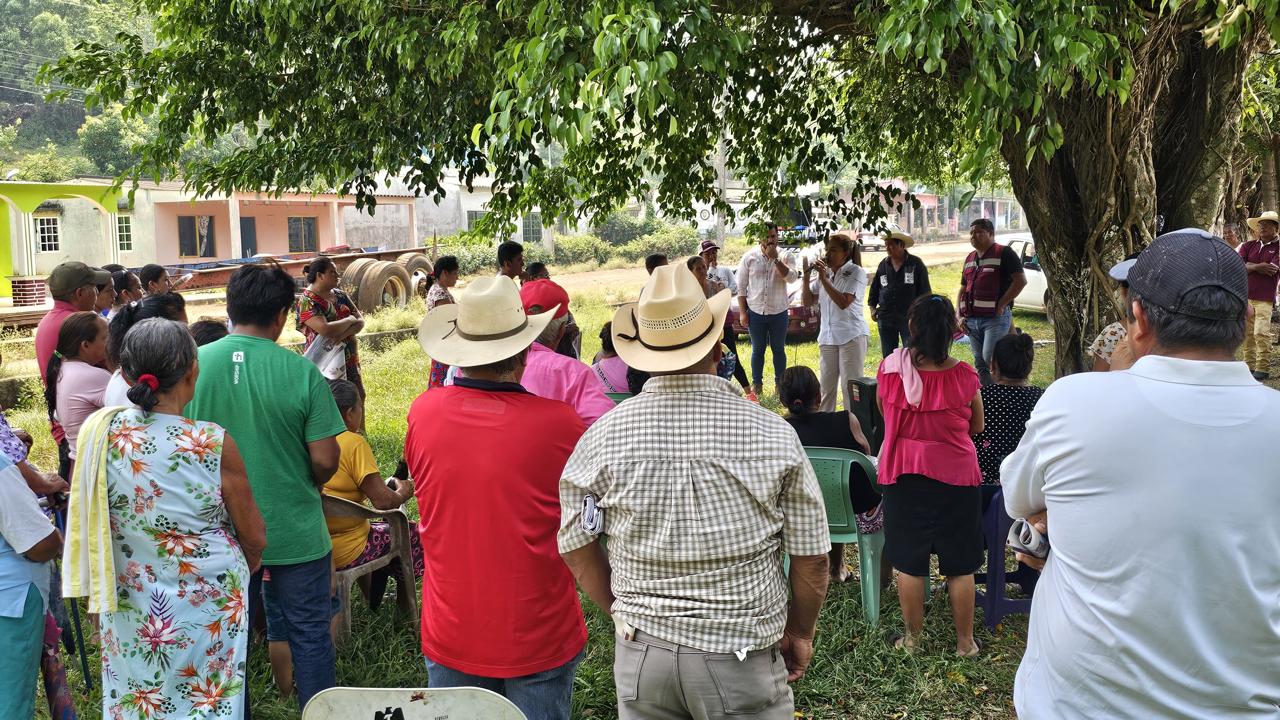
(802, 394)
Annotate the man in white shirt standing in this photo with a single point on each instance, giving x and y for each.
(1161, 594)
(763, 301)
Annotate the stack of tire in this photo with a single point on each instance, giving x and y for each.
(372, 283)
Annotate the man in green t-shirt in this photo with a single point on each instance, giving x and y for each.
(282, 414)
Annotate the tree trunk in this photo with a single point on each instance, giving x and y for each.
(1267, 201)
(1097, 198)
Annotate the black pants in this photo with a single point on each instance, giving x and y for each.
(891, 332)
(731, 342)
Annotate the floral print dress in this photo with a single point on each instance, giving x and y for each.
(178, 644)
(438, 295)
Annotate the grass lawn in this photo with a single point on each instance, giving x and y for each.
(854, 673)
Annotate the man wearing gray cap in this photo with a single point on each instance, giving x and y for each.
(1158, 493)
(74, 288)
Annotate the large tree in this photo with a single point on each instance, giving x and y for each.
(1107, 114)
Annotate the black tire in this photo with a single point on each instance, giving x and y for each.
(419, 269)
(383, 283)
(354, 273)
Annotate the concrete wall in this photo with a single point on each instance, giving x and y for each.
(272, 220)
(387, 227)
(80, 233)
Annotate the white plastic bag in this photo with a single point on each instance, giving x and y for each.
(330, 357)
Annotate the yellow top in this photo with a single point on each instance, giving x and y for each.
(355, 463)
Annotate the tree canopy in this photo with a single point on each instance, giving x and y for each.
(637, 97)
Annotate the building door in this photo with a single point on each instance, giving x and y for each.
(248, 236)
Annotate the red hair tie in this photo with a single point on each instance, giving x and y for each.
(150, 381)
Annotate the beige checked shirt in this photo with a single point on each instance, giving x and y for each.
(702, 491)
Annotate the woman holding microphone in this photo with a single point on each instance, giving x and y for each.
(843, 332)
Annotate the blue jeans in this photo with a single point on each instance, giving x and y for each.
(299, 596)
(547, 695)
(984, 333)
(773, 330)
(892, 332)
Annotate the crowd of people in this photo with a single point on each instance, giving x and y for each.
(196, 457)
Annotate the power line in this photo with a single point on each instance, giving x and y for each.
(39, 94)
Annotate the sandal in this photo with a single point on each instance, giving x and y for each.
(977, 648)
(899, 642)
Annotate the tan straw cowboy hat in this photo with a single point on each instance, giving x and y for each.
(902, 237)
(1268, 215)
(485, 325)
(673, 326)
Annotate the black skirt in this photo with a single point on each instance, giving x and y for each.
(924, 517)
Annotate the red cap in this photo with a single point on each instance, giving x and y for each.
(544, 294)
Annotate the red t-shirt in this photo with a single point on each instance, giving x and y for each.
(497, 599)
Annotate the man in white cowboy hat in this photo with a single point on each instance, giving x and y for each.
(500, 610)
(900, 278)
(699, 492)
(1262, 261)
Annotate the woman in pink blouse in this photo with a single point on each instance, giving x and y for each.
(932, 408)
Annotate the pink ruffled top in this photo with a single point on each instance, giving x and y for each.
(930, 437)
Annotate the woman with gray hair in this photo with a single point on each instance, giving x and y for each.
(186, 535)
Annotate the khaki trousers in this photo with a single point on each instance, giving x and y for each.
(1257, 337)
(837, 365)
(658, 680)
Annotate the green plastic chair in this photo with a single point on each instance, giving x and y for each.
(618, 397)
(833, 466)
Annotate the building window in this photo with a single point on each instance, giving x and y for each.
(473, 217)
(124, 233)
(532, 230)
(47, 234)
(195, 236)
(302, 234)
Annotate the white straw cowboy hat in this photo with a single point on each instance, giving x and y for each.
(1268, 215)
(673, 326)
(485, 325)
(906, 240)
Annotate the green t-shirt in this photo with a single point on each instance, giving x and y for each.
(272, 402)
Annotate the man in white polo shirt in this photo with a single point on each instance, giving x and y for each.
(1160, 597)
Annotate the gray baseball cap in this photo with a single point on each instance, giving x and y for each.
(1184, 260)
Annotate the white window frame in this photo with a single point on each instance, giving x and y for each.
(124, 232)
(39, 224)
(531, 224)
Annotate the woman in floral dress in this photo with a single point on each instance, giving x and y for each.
(185, 537)
(325, 311)
(443, 277)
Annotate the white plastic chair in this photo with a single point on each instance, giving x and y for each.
(400, 552)
(459, 703)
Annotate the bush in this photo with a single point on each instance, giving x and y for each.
(584, 248)
(674, 241)
(621, 228)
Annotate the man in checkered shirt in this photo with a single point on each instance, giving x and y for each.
(697, 518)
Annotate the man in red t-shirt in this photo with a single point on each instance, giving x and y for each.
(499, 606)
(1262, 261)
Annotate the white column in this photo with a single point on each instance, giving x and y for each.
(335, 223)
(233, 212)
(112, 234)
(27, 236)
(414, 240)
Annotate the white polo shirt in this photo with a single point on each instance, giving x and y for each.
(839, 326)
(1161, 595)
(759, 282)
(725, 277)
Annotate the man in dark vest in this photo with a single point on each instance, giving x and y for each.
(992, 278)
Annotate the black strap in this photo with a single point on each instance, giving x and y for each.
(663, 348)
(481, 338)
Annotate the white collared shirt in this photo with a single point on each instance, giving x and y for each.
(1161, 595)
(758, 282)
(841, 325)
